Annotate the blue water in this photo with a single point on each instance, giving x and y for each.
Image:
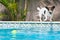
(5, 34)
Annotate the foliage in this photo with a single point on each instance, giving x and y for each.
(12, 6)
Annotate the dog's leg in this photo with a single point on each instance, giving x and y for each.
(51, 19)
(40, 17)
(45, 18)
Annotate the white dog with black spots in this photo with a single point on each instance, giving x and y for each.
(45, 13)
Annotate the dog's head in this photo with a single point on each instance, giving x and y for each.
(50, 9)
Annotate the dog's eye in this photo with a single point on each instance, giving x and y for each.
(50, 12)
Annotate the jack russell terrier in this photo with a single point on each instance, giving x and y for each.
(45, 13)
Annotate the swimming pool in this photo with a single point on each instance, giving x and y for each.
(7, 34)
(31, 33)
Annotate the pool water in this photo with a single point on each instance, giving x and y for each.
(16, 34)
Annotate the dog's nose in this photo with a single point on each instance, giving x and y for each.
(50, 12)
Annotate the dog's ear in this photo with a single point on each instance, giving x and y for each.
(47, 8)
(52, 8)
(38, 8)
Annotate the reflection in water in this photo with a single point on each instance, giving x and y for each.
(13, 32)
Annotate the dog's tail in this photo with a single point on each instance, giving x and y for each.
(38, 8)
